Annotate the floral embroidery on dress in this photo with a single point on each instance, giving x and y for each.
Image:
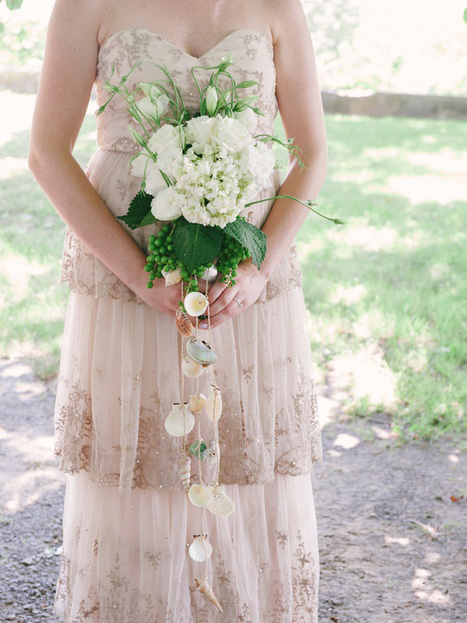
(116, 599)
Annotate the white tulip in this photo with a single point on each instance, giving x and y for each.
(211, 99)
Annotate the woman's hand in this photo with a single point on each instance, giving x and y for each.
(161, 297)
(249, 284)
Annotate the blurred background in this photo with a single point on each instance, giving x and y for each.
(386, 290)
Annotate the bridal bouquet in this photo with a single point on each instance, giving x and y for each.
(197, 174)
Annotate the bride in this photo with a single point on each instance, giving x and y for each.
(126, 524)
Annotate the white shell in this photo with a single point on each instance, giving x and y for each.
(191, 368)
(210, 453)
(172, 276)
(195, 303)
(199, 494)
(214, 405)
(180, 420)
(185, 473)
(197, 402)
(200, 550)
(210, 274)
(220, 504)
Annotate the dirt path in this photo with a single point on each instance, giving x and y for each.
(392, 538)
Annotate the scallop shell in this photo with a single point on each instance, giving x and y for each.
(205, 589)
(183, 323)
(220, 504)
(199, 494)
(200, 550)
(180, 420)
(197, 402)
(191, 368)
(195, 303)
(185, 473)
(172, 276)
(214, 404)
(199, 351)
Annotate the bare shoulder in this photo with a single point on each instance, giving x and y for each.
(287, 21)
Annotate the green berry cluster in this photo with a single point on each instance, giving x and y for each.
(162, 257)
(230, 256)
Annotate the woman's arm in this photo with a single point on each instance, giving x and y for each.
(299, 100)
(66, 80)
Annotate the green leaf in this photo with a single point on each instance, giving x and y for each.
(250, 237)
(196, 244)
(139, 213)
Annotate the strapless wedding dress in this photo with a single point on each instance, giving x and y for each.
(127, 524)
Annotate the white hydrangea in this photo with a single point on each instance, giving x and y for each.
(223, 169)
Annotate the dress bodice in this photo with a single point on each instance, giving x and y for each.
(252, 52)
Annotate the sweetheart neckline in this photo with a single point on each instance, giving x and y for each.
(196, 58)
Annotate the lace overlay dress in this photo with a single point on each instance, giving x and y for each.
(127, 524)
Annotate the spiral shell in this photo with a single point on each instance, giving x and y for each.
(180, 420)
(205, 589)
(197, 402)
(199, 351)
(185, 473)
(195, 303)
(220, 504)
(191, 368)
(183, 323)
(172, 276)
(200, 550)
(214, 404)
(199, 494)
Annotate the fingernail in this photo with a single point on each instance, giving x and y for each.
(203, 325)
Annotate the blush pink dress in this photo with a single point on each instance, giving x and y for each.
(127, 523)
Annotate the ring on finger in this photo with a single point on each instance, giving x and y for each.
(238, 302)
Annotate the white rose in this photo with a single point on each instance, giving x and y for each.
(231, 134)
(261, 163)
(165, 206)
(248, 117)
(164, 138)
(169, 160)
(199, 130)
(154, 179)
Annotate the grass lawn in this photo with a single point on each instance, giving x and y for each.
(384, 291)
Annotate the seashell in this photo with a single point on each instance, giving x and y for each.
(200, 550)
(214, 404)
(220, 504)
(180, 420)
(185, 473)
(191, 368)
(209, 454)
(195, 303)
(205, 589)
(210, 274)
(183, 323)
(199, 351)
(172, 276)
(199, 494)
(197, 402)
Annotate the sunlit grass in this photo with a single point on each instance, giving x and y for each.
(386, 291)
